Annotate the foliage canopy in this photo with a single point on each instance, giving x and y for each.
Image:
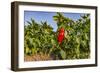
(40, 38)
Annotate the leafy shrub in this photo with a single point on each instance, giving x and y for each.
(40, 38)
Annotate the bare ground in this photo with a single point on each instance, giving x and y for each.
(37, 57)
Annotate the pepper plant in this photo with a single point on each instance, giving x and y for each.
(70, 41)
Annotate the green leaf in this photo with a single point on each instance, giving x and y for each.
(26, 50)
(55, 18)
(63, 54)
(29, 23)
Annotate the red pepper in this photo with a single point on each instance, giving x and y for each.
(61, 35)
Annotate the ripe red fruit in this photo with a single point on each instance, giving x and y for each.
(61, 30)
(61, 35)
